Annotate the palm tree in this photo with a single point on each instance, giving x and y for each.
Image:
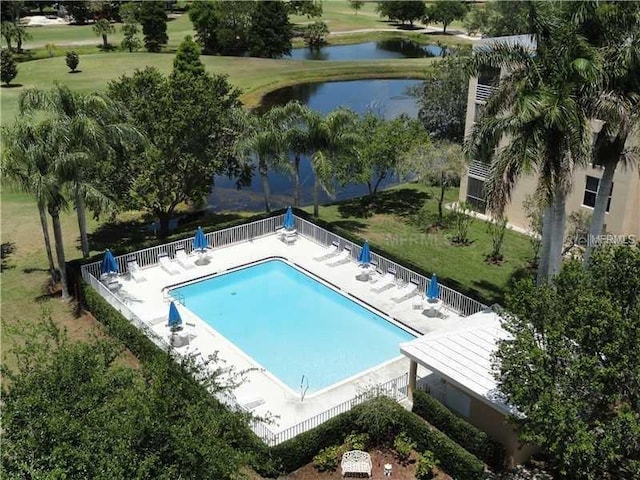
(537, 108)
(264, 141)
(614, 28)
(30, 160)
(26, 163)
(291, 118)
(328, 139)
(86, 127)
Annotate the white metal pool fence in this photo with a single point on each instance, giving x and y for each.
(453, 300)
(395, 388)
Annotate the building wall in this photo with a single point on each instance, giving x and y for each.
(624, 214)
(491, 421)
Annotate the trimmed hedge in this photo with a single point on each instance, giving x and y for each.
(393, 419)
(471, 438)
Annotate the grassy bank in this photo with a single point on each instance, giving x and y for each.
(390, 223)
(254, 76)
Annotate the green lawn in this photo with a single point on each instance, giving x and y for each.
(254, 76)
(390, 224)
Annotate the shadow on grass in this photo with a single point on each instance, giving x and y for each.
(6, 249)
(11, 85)
(130, 235)
(34, 269)
(403, 202)
(352, 226)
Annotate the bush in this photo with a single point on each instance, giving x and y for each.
(357, 441)
(8, 67)
(327, 459)
(425, 464)
(403, 446)
(72, 60)
(379, 419)
(471, 438)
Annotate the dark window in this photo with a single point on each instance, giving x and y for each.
(489, 76)
(478, 111)
(475, 194)
(591, 191)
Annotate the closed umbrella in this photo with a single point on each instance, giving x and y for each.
(365, 255)
(109, 265)
(433, 292)
(175, 320)
(289, 222)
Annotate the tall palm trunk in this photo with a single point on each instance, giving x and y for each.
(545, 244)
(316, 191)
(558, 224)
(47, 240)
(600, 208)
(81, 211)
(296, 179)
(266, 190)
(54, 211)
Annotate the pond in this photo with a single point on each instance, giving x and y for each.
(384, 49)
(388, 98)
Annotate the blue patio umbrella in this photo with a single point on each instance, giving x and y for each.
(109, 264)
(175, 320)
(200, 242)
(365, 255)
(433, 292)
(288, 223)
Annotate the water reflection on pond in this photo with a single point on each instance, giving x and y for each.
(384, 49)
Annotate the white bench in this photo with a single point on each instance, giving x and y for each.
(356, 461)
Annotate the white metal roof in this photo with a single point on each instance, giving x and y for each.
(463, 356)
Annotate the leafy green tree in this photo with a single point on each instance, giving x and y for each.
(153, 19)
(187, 59)
(14, 31)
(499, 19)
(438, 164)
(380, 148)
(79, 10)
(103, 28)
(537, 106)
(129, 13)
(7, 30)
(310, 8)
(190, 131)
(74, 411)
(402, 11)
(315, 34)
(204, 17)
(8, 67)
(572, 364)
(445, 12)
(270, 33)
(443, 98)
(72, 59)
(12, 10)
(356, 5)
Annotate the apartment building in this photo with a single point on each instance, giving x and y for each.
(623, 211)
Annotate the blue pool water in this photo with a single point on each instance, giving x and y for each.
(294, 325)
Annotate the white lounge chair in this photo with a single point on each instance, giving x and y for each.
(331, 251)
(356, 461)
(184, 260)
(135, 272)
(288, 236)
(343, 257)
(167, 265)
(387, 281)
(404, 292)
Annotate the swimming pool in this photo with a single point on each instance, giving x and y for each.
(294, 325)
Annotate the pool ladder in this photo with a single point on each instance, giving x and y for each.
(303, 387)
(175, 297)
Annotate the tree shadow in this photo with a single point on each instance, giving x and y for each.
(352, 226)
(6, 249)
(76, 71)
(402, 202)
(407, 27)
(34, 269)
(12, 85)
(129, 235)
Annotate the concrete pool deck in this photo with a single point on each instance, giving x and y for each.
(261, 393)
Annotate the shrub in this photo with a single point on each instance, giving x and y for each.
(357, 441)
(8, 67)
(425, 464)
(403, 446)
(462, 220)
(327, 459)
(471, 438)
(72, 60)
(379, 418)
